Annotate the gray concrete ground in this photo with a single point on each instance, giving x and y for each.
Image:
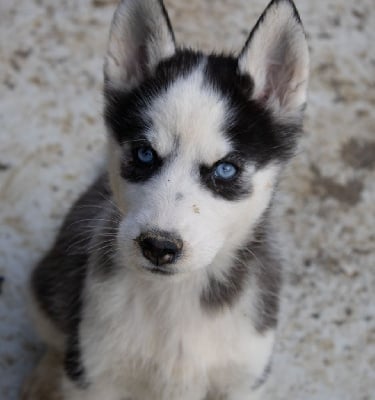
(51, 144)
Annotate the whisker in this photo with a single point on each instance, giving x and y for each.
(99, 247)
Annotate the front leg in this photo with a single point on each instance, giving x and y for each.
(246, 380)
(50, 382)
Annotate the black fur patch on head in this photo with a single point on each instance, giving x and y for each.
(256, 135)
(251, 128)
(124, 111)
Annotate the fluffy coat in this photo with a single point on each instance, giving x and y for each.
(163, 282)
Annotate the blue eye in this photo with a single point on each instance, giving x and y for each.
(145, 155)
(225, 171)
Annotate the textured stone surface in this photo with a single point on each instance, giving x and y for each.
(51, 144)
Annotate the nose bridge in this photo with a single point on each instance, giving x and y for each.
(171, 186)
(179, 177)
(164, 201)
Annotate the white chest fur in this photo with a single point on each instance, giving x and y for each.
(151, 339)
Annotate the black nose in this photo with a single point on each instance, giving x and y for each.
(160, 247)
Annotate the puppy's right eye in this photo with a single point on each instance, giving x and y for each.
(145, 155)
(141, 164)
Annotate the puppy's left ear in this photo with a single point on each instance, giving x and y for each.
(141, 36)
(276, 57)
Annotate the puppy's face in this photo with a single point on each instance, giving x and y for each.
(195, 145)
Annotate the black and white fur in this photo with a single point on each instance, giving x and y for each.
(163, 283)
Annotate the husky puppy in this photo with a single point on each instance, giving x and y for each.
(163, 283)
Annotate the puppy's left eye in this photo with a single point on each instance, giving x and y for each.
(225, 171)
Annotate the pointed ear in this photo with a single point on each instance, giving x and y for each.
(276, 57)
(140, 37)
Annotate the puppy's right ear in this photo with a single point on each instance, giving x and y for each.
(140, 37)
(276, 57)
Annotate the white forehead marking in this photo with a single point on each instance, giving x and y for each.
(191, 114)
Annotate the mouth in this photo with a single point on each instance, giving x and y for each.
(160, 271)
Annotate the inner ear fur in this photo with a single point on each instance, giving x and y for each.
(276, 58)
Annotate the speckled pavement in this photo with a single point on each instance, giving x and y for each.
(51, 145)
